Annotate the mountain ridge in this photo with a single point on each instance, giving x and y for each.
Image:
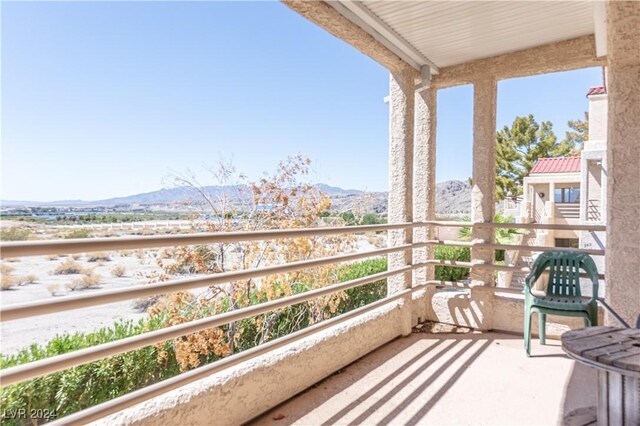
(452, 196)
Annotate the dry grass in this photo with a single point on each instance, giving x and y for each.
(86, 282)
(7, 281)
(54, 289)
(99, 257)
(76, 256)
(118, 271)
(6, 269)
(69, 267)
(27, 279)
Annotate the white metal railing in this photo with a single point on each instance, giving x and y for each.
(43, 367)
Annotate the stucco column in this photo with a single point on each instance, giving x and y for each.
(401, 119)
(424, 186)
(484, 174)
(483, 198)
(623, 155)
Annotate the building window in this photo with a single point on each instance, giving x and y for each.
(567, 195)
(567, 242)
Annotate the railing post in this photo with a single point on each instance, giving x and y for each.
(483, 192)
(401, 119)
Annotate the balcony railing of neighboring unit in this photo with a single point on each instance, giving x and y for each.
(593, 211)
(46, 366)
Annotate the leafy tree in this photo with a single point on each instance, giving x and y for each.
(519, 147)
(576, 137)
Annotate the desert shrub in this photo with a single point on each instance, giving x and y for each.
(502, 235)
(80, 387)
(7, 281)
(52, 257)
(78, 233)
(449, 273)
(69, 267)
(6, 269)
(27, 279)
(74, 389)
(86, 282)
(192, 260)
(54, 289)
(118, 271)
(363, 295)
(373, 219)
(14, 233)
(348, 218)
(99, 257)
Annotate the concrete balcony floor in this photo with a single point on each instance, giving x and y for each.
(474, 378)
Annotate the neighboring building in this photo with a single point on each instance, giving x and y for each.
(572, 190)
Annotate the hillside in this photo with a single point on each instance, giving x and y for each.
(452, 197)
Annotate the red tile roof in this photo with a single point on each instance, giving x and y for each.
(597, 90)
(556, 165)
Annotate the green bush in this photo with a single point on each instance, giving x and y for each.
(363, 295)
(502, 235)
(78, 233)
(373, 219)
(14, 233)
(449, 273)
(81, 387)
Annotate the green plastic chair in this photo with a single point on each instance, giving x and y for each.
(563, 296)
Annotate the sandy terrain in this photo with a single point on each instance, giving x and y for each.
(20, 333)
(15, 335)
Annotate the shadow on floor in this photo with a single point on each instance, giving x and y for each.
(442, 349)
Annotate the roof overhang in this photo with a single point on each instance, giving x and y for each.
(447, 40)
(438, 34)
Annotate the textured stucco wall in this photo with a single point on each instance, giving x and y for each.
(463, 307)
(240, 393)
(623, 155)
(400, 208)
(424, 169)
(509, 316)
(598, 117)
(484, 175)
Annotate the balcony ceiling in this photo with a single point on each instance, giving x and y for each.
(446, 33)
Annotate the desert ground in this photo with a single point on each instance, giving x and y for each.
(35, 278)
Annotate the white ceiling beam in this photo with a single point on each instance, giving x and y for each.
(425, 79)
(600, 24)
(360, 15)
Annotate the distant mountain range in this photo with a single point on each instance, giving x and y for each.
(452, 197)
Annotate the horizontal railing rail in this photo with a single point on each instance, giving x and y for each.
(54, 364)
(31, 309)
(85, 245)
(51, 365)
(113, 406)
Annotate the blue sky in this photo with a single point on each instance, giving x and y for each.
(106, 99)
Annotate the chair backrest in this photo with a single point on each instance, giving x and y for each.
(564, 272)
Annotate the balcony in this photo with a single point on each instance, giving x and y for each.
(267, 374)
(366, 365)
